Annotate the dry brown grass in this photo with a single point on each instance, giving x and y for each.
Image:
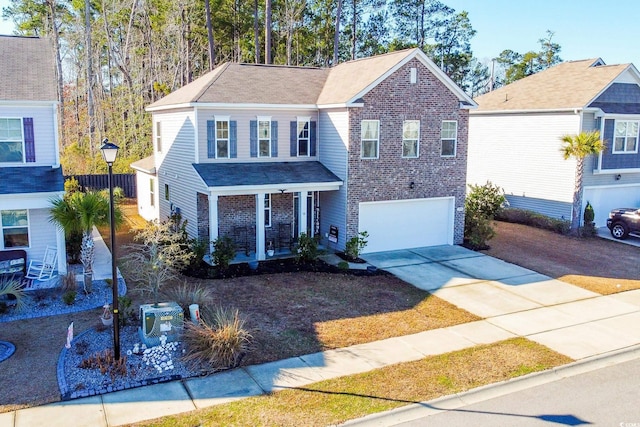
(595, 264)
(335, 401)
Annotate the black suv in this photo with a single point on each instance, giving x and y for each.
(623, 221)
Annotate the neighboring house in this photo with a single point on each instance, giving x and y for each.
(264, 153)
(514, 138)
(30, 172)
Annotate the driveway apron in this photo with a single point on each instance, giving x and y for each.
(522, 302)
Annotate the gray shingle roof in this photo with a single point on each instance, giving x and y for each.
(264, 173)
(32, 179)
(27, 69)
(568, 85)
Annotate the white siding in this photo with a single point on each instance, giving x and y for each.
(143, 185)
(44, 129)
(175, 167)
(332, 150)
(521, 153)
(42, 233)
(242, 118)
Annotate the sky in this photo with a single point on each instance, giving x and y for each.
(583, 28)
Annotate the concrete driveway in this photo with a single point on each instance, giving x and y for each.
(564, 317)
(633, 239)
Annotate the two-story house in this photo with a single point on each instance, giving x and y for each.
(514, 138)
(30, 172)
(264, 153)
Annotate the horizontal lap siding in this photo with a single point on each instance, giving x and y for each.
(334, 131)
(176, 168)
(521, 154)
(42, 233)
(243, 118)
(560, 210)
(44, 130)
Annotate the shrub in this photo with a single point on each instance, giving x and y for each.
(355, 245)
(589, 214)
(343, 265)
(71, 185)
(485, 200)
(224, 251)
(219, 341)
(482, 204)
(306, 249)
(125, 311)
(534, 219)
(69, 297)
(186, 294)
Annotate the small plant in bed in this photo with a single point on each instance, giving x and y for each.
(69, 297)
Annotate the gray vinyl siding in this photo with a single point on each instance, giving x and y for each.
(243, 118)
(560, 210)
(44, 130)
(332, 148)
(175, 168)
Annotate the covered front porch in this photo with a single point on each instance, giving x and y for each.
(264, 207)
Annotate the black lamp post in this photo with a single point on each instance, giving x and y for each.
(109, 154)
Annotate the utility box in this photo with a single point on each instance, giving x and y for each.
(165, 318)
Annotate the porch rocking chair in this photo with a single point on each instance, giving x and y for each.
(45, 269)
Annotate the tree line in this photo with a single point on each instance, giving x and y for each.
(114, 57)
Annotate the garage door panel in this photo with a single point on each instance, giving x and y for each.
(407, 224)
(605, 199)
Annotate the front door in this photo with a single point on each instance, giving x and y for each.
(303, 214)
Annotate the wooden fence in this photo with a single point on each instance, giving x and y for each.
(98, 182)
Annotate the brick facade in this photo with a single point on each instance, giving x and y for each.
(388, 177)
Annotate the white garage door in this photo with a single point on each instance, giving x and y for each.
(605, 199)
(402, 224)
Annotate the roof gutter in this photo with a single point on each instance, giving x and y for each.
(574, 110)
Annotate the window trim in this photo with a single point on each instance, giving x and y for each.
(455, 139)
(417, 140)
(22, 140)
(222, 119)
(624, 150)
(362, 140)
(267, 210)
(158, 135)
(307, 121)
(3, 227)
(266, 119)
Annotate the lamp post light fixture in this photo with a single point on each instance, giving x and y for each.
(109, 153)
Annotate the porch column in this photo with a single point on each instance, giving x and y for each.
(213, 220)
(61, 250)
(260, 247)
(302, 221)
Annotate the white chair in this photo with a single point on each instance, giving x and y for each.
(45, 269)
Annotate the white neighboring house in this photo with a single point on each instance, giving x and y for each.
(147, 187)
(30, 172)
(514, 138)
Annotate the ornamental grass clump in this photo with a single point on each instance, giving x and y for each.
(186, 294)
(219, 341)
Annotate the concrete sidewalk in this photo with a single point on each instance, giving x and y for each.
(512, 300)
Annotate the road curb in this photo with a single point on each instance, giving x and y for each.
(490, 391)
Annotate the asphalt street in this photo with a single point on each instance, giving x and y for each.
(605, 397)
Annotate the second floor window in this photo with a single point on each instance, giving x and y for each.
(11, 140)
(303, 138)
(369, 138)
(448, 138)
(264, 138)
(410, 138)
(222, 139)
(159, 136)
(625, 139)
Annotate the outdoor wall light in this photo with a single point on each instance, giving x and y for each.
(618, 177)
(412, 185)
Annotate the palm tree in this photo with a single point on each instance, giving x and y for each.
(80, 212)
(580, 146)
